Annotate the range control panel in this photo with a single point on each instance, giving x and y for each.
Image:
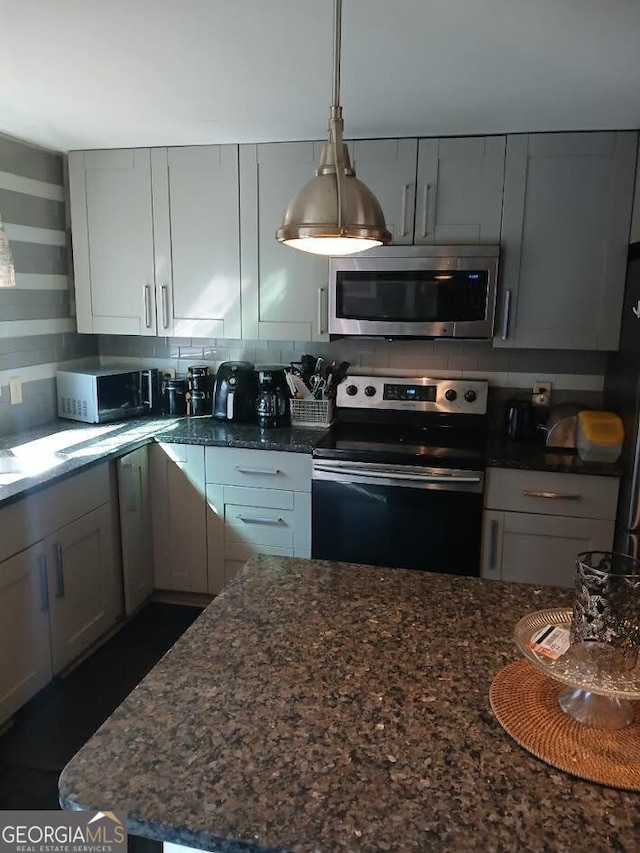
(453, 396)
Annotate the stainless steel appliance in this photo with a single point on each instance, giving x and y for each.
(399, 480)
(521, 420)
(272, 402)
(198, 396)
(101, 394)
(234, 395)
(414, 291)
(622, 395)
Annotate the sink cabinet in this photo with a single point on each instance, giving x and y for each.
(25, 648)
(60, 581)
(536, 522)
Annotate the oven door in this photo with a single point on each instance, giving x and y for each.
(397, 515)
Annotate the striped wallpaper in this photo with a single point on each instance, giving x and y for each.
(37, 326)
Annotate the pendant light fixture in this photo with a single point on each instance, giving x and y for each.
(335, 213)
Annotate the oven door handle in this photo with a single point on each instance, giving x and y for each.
(449, 479)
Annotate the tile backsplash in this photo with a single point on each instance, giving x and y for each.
(568, 370)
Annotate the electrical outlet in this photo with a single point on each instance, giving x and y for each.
(15, 390)
(541, 393)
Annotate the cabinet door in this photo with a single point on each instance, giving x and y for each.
(25, 653)
(111, 222)
(284, 291)
(565, 236)
(82, 582)
(459, 191)
(388, 168)
(135, 528)
(179, 517)
(197, 235)
(539, 549)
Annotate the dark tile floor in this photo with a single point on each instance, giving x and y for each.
(52, 727)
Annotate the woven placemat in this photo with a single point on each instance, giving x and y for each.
(525, 703)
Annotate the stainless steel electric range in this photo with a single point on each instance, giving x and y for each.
(398, 481)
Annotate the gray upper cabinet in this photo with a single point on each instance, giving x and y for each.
(284, 291)
(565, 235)
(388, 168)
(197, 240)
(156, 241)
(113, 250)
(459, 190)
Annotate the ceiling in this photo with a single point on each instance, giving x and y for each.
(95, 74)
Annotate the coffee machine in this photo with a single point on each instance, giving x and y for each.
(234, 395)
(273, 408)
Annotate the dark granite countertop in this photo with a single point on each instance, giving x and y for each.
(320, 707)
(104, 442)
(534, 456)
(90, 444)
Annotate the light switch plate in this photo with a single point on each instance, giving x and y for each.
(15, 390)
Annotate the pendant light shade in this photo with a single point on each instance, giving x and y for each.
(335, 213)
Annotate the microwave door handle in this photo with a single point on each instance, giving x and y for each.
(230, 404)
(146, 374)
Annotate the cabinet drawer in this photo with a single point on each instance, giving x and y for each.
(263, 469)
(550, 493)
(259, 525)
(36, 516)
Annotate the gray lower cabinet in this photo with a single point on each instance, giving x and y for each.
(178, 517)
(564, 241)
(259, 501)
(60, 581)
(25, 649)
(536, 522)
(134, 500)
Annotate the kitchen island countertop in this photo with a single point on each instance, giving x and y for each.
(320, 707)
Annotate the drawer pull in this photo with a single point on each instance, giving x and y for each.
(260, 519)
(493, 545)
(270, 471)
(44, 587)
(553, 496)
(59, 571)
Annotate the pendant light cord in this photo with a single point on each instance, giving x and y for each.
(336, 109)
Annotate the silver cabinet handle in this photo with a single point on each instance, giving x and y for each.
(426, 203)
(44, 586)
(165, 306)
(59, 572)
(260, 519)
(147, 306)
(506, 311)
(129, 499)
(553, 496)
(493, 544)
(321, 329)
(271, 471)
(403, 220)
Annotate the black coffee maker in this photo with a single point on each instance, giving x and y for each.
(234, 395)
(273, 408)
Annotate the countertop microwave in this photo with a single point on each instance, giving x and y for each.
(102, 394)
(414, 292)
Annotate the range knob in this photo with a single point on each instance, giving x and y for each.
(470, 396)
(450, 395)
(369, 390)
(352, 390)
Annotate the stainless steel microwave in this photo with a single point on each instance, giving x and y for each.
(99, 395)
(415, 292)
